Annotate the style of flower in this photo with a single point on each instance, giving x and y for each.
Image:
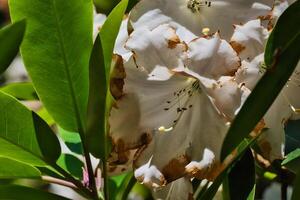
(180, 85)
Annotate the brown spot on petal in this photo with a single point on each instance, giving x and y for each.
(175, 168)
(172, 42)
(117, 77)
(209, 173)
(237, 47)
(266, 148)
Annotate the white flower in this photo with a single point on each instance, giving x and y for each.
(179, 89)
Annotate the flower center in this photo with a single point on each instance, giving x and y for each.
(195, 5)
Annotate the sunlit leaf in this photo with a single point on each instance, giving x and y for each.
(56, 50)
(281, 57)
(24, 136)
(71, 164)
(10, 169)
(10, 39)
(21, 91)
(71, 139)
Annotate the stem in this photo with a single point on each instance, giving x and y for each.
(284, 187)
(70, 178)
(59, 182)
(92, 182)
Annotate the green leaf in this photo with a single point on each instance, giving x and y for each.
(11, 37)
(242, 148)
(125, 187)
(252, 194)
(291, 156)
(11, 169)
(281, 57)
(72, 140)
(17, 192)
(24, 136)
(21, 91)
(296, 188)
(56, 50)
(241, 178)
(100, 66)
(71, 164)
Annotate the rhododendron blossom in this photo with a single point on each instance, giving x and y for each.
(182, 76)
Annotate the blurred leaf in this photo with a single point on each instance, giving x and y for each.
(241, 178)
(21, 91)
(291, 156)
(292, 135)
(296, 187)
(72, 140)
(125, 187)
(281, 57)
(17, 192)
(11, 37)
(71, 164)
(100, 64)
(106, 6)
(252, 194)
(56, 50)
(10, 169)
(24, 136)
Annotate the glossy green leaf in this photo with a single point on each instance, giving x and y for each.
(296, 188)
(11, 37)
(17, 192)
(56, 50)
(125, 187)
(11, 169)
(72, 140)
(241, 178)
(21, 91)
(100, 64)
(71, 164)
(24, 136)
(281, 56)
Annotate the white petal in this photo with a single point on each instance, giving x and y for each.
(99, 20)
(200, 129)
(180, 189)
(228, 96)
(250, 72)
(292, 93)
(121, 40)
(249, 39)
(157, 48)
(216, 15)
(212, 58)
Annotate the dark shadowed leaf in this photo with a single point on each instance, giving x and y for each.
(17, 192)
(296, 189)
(10, 39)
(241, 178)
(21, 91)
(281, 57)
(72, 140)
(56, 50)
(24, 136)
(71, 164)
(100, 64)
(10, 169)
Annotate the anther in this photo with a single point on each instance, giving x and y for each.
(163, 129)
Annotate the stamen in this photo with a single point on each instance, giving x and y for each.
(162, 129)
(195, 5)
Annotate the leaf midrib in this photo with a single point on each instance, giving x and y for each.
(67, 70)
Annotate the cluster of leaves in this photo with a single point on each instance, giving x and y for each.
(70, 76)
